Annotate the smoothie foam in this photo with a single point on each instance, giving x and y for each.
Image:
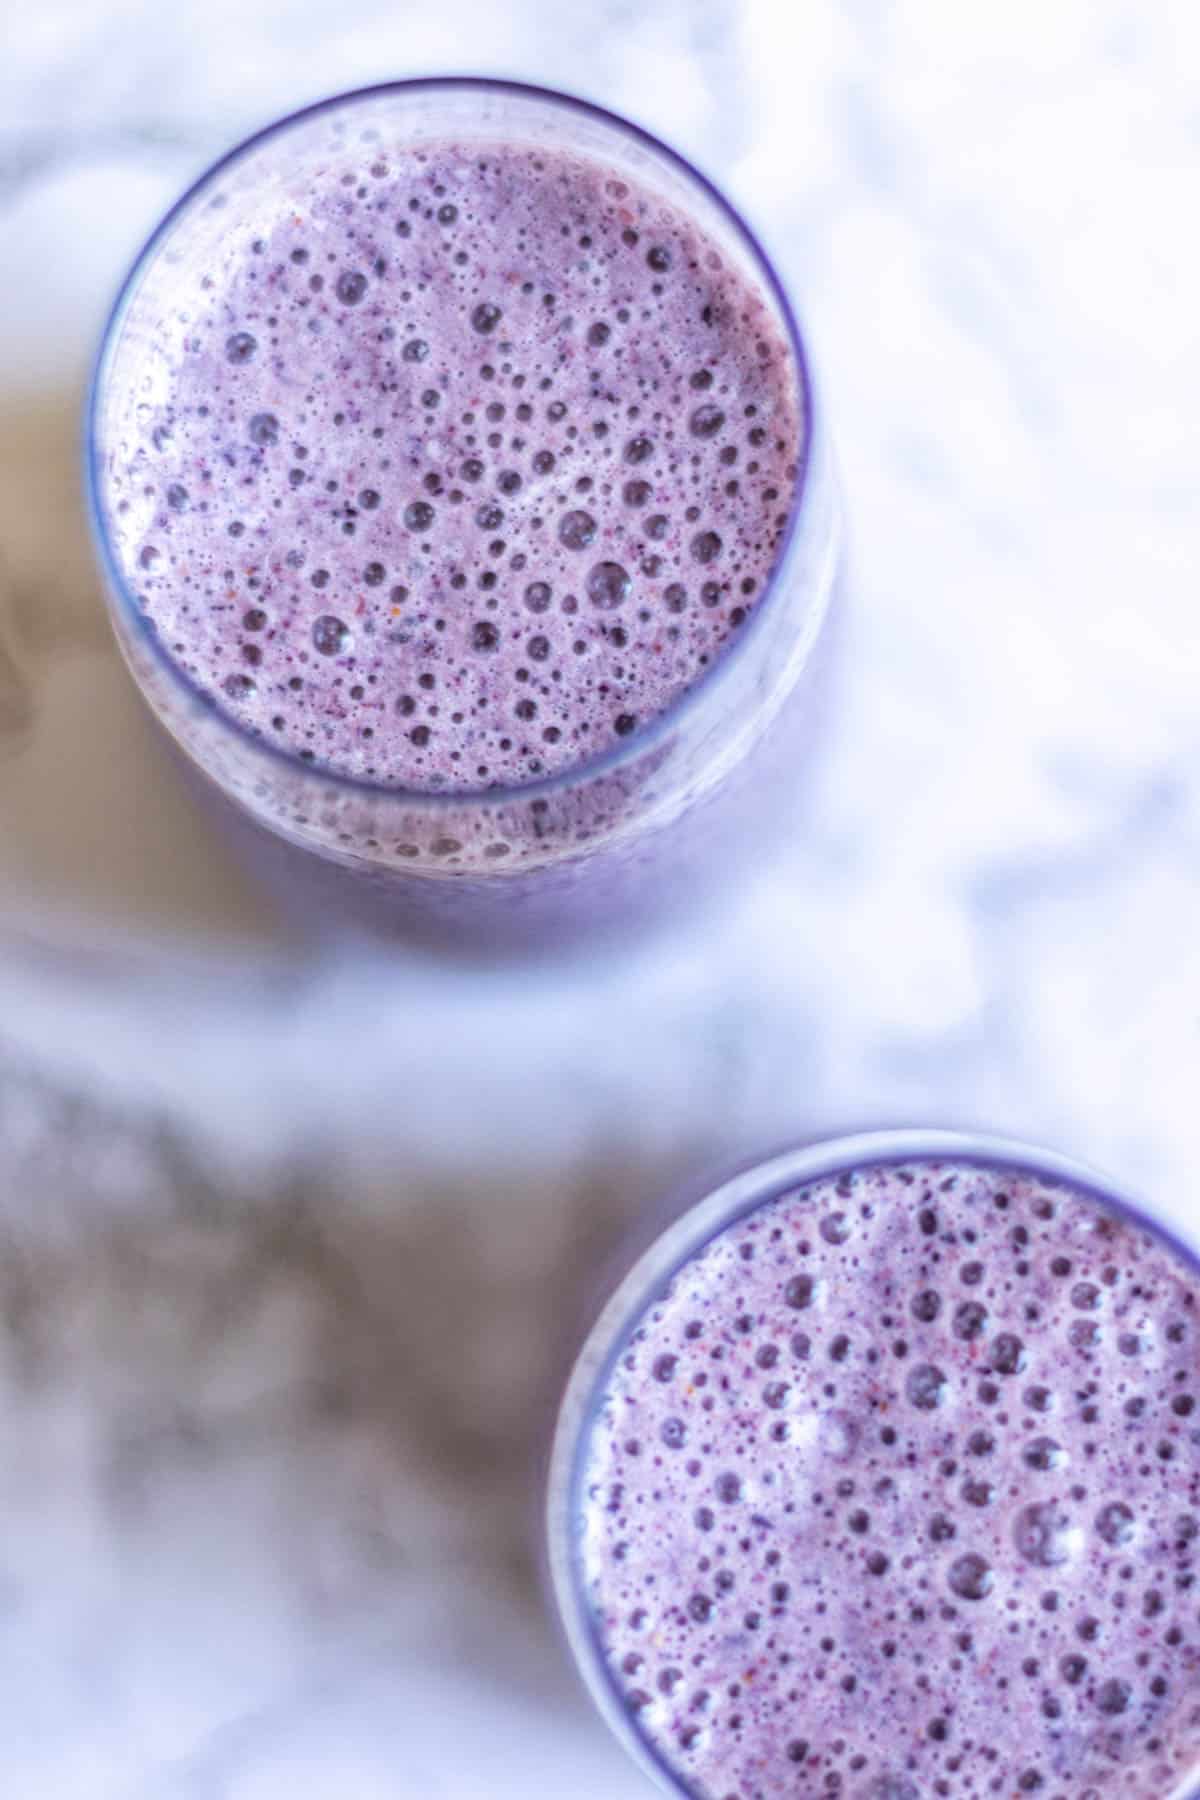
(895, 1492)
(457, 465)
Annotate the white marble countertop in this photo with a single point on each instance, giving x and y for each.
(289, 1244)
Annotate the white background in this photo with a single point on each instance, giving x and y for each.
(290, 1243)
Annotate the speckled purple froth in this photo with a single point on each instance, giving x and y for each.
(895, 1493)
(462, 463)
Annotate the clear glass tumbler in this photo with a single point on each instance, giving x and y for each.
(1021, 1360)
(685, 800)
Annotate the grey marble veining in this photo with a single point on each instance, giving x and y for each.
(291, 1246)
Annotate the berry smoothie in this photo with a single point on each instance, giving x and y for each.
(456, 467)
(893, 1492)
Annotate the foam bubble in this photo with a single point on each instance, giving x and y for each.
(925, 1386)
(607, 585)
(576, 529)
(970, 1576)
(330, 635)
(1046, 1535)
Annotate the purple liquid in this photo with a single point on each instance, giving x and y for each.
(895, 1493)
(457, 467)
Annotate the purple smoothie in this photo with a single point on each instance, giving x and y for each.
(457, 466)
(894, 1492)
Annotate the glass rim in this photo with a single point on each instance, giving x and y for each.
(641, 741)
(709, 1208)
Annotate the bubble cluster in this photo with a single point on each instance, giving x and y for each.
(854, 1481)
(466, 383)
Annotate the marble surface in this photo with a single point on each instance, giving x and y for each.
(291, 1244)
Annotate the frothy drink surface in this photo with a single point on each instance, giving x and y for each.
(459, 465)
(895, 1494)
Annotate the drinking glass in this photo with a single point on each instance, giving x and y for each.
(685, 801)
(699, 1216)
